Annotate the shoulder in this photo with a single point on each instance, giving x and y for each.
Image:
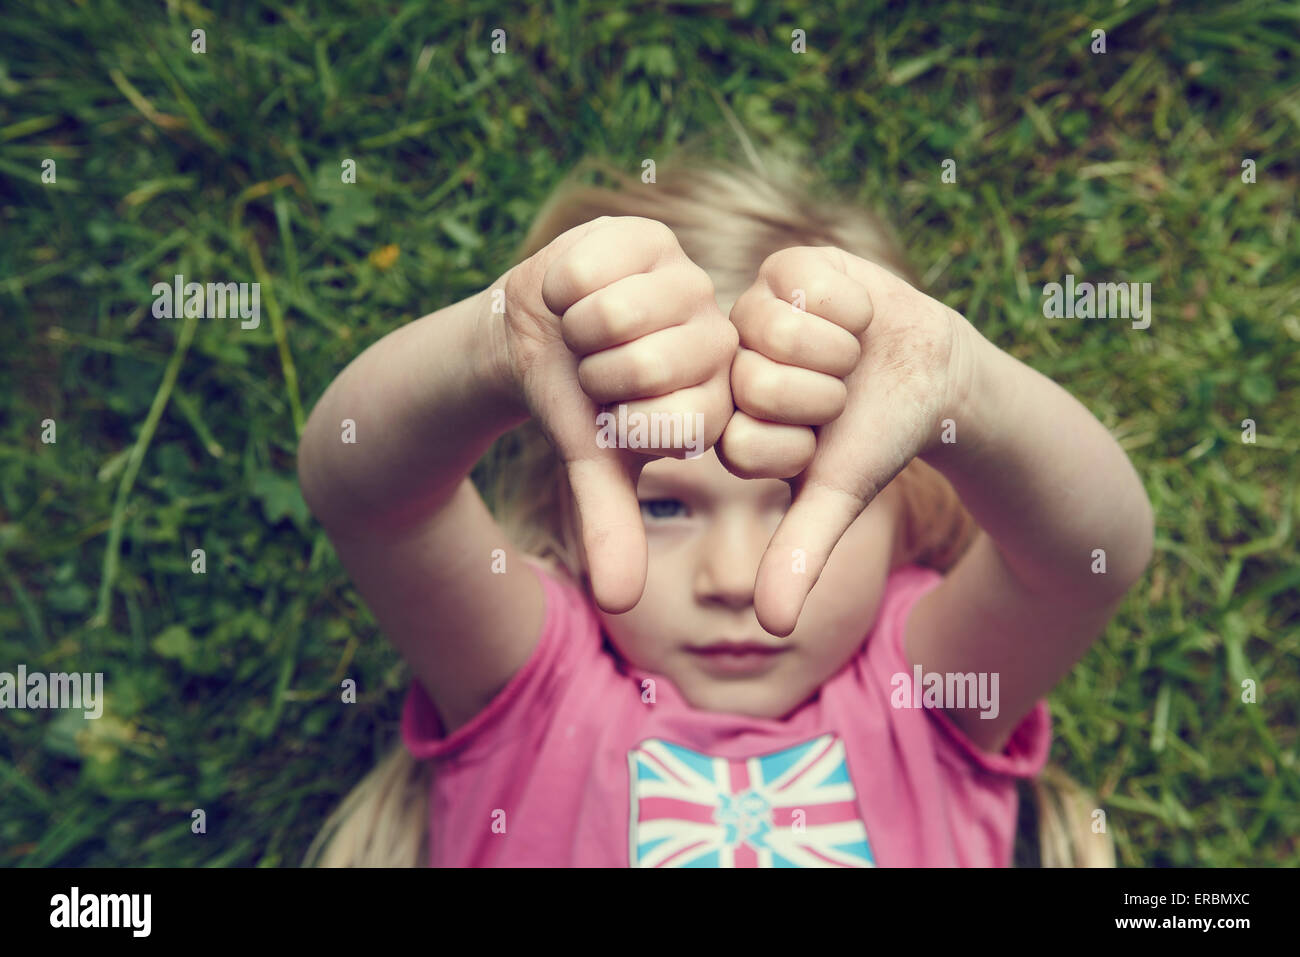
(1025, 749)
(563, 656)
(904, 587)
(568, 601)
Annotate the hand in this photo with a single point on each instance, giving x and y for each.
(837, 400)
(612, 312)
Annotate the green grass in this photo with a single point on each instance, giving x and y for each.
(223, 688)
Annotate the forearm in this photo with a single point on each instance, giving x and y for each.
(1045, 480)
(424, 403)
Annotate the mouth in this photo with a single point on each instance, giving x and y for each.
(738, 657)
(725, 647)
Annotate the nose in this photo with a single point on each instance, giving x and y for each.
(728, 557)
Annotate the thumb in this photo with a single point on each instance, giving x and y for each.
(817, 518)
(602, 481)
(613, 535)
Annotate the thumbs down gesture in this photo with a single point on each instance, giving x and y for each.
(844, 374)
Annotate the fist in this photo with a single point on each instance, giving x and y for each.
(799, 326)
(610, 324)
(836, 397)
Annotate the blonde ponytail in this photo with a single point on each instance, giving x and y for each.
(384, 820)
(1065, 832)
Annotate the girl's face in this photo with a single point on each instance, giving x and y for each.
(706, 531)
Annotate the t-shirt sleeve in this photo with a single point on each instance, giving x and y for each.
(1025, 753)
(527, 702)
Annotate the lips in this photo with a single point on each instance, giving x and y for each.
(738, 659)
(739, 648)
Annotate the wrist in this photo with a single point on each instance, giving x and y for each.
(503, 394)
(976, 385)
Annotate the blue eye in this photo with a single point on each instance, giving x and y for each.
(662, 508)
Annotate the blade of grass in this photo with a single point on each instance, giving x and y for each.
(109, 574)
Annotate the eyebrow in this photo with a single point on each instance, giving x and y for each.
(663, 486)
(672, 486)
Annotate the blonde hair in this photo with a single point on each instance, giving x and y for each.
(727, 220)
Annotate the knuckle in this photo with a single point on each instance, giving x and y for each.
(578, 274)
(848, 356)
(838, 394)
(740, 381)
(760, 387)
(783, 257)
(719, 411)
(772, 267)
(796, 457)
(618, 316)
(700, 283)
(647, 373)
(783, 333)
(728, 339)
(656, 230)
(817, 293)
(591, 379)
(691, 281)
(738, 445)
(794, 268)
(756, 449)
(741, 316)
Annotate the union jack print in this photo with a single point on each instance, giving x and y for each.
(791, 808)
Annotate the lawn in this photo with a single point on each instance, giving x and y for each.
(171, 435)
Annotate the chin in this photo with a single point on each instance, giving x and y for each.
(739, 697)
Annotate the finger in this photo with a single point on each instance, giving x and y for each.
(619, 247)
(685, 424)
(780, 393)
(816, 520)
(784, 334)
(613, 535)
(751, 448)
(634, 306)
(602, 483)
(657, 364)
(816, 277)
(857, 456)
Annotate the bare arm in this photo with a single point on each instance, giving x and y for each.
(1048, 485)
(1036, 470)
(427, 400)
(424, 403)
(640, 325)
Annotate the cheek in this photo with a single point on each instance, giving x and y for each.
(670, 558)
(863, 555)
(844, 602)
(639, 634)
(656, 622)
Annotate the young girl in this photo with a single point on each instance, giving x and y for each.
(634, 667)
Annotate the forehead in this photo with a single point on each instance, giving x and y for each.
(704, 474)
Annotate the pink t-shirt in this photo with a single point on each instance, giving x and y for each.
(567, 766)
